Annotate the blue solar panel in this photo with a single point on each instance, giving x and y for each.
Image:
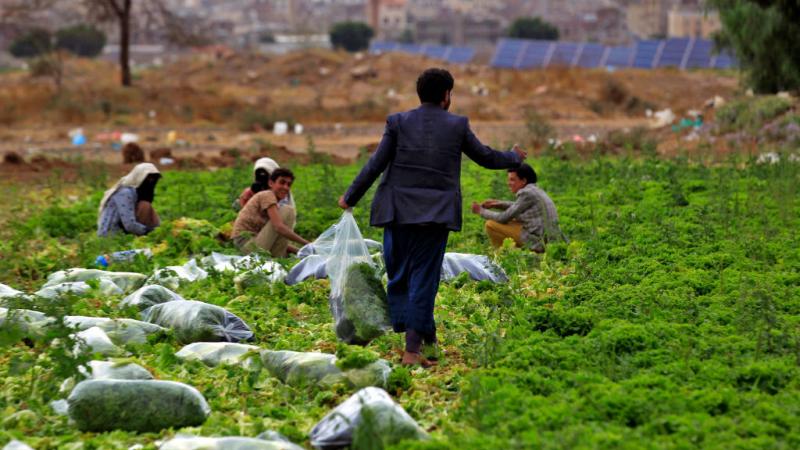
(723, 61)
(645, 54)
(460, 55)
(564, 54)
(435, 51)
(381, 46)
(618, 57)
(591, 55)
(535, 54)
(507, 53)
(699, 54)
(409, 48)
(673, 52)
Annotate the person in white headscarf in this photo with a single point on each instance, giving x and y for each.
(128, 206)
(262, 170)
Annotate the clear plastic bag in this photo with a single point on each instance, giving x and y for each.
(312, 266)
(226, 443)
(217, 353)
(120, 331)
(23, 323)
(358, 300)
(135, 405)
(479, 267)
(368, 418)
(78, 288)
(147, 296)
(95, 341)
(8, 291)
(268, 272)
(320, 369)
(172, 276)
(16, 445)
(125, 281)
(194, 321)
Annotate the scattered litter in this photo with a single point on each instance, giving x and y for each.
(368, 418)
(312, 368)
(128, 138)
(166, 161)
(194, 321)
(479, 267)
(136, 405)
(148, 296)
(662, 118)
(172, 136)
(77, 136)
(298, 128)
(280, 128)
(217, 353)
(784, 95)
(768, 158)
(122, 256)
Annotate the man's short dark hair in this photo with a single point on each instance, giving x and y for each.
(433, 84)
(524, 171)
(281, 172)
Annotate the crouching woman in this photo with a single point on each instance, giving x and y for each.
(265, 223)
(531, 220)
(128, 206)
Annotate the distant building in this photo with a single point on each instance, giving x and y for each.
(605, 25)
(692, 23)
(648, 18)
(391, 19)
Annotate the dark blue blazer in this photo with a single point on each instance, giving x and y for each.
(420, 158)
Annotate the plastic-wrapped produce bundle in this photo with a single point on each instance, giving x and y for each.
(126, 281)
(357, 300)
(364, 420)
(172, 276)
(24, 323)
(79, 288)
(268, 272)
(300, 369)
(95, 341)
(226, 443)
(135, 405)
(8, 291)
(194, 321)
(16, 445)
(110, 370)
(147, 296)
(231, 263)
(120, 331)
(216, 353)
(312, 266)
(479, 267)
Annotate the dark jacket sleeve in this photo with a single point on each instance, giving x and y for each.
(484, 155)
(376, 164)
(125, 202)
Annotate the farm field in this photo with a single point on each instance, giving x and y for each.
(671, 320)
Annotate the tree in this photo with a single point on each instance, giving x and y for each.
(763, 36)
(533, 28)
(82, 40)
(31, 44)
(352, 36)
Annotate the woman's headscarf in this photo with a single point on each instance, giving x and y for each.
(269, 165)
(133, 179)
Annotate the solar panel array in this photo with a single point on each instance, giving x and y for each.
(449, 53)
(683, 53)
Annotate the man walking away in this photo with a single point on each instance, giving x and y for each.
(418, 202)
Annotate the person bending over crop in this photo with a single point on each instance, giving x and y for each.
(264, 223)
(128, 206)
(418, 202)
(531, 220)
(262, 170)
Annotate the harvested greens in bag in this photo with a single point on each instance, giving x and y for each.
(216, 353)
(147, 296)
(312, 368)
(357, 301)
(126, 281)
(225, 443)
(120, 331)
(110, 370)
(95, 341)
(364, 421)
(8, 291)
(135, 405)
(479, 267)
(194, 321)
(269, 272)
(172, 276)
(23, 323)
(79, 288)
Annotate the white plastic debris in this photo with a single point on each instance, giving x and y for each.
(280, 128)
(128, 138)
(662, 118)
